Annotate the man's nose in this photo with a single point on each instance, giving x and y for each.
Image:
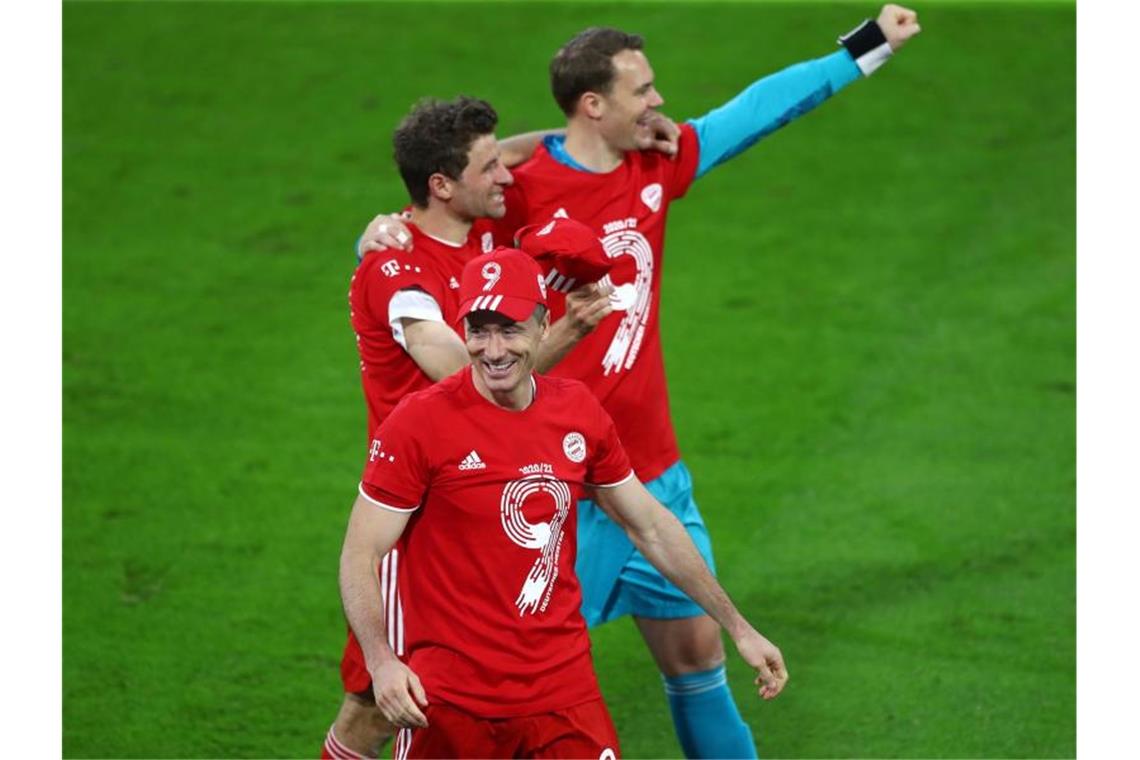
(496, 346)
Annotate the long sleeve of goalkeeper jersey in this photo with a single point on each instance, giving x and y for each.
(768, 104)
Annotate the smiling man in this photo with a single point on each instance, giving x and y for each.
(403, 305)
(479, 477)
(596, 174)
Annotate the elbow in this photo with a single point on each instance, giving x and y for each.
(344, 569)
(647, 535)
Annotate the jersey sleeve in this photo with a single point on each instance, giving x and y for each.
(397, 468)
(609, 465)
(768, 104)
(399, 271)
(682, 169)
(411, 304)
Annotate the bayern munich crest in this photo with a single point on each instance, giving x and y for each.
(574, 447)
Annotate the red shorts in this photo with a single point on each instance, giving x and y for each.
(584, 730)
(353, 669)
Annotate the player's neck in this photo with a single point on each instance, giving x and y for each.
(590, 149)
(514, 400)
(438, 221)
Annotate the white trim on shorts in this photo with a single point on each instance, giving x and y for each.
(402, 743)
(393, 604)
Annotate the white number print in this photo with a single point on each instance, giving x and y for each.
(623, 349)
(541, 536)
(491, 273)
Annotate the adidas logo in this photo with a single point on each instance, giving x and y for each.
(472, 462)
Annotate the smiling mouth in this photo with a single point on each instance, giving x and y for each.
(499, 369)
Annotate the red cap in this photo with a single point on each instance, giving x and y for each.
(568, 251)
(506, 281)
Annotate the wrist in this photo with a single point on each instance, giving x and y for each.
(379, 658)
(868, 46)
(568, 329)
(736, 628)
(582, 329)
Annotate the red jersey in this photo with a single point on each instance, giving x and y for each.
(433, 266)
(621, 359)
(490, 598)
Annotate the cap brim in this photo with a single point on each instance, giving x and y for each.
(514, 309)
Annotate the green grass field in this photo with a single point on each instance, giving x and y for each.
(870, 337)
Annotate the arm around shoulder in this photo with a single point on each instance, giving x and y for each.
(516, 149)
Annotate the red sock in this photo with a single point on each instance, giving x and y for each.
(334, 750)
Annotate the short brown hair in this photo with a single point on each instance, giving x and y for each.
(436, 136)
(585, 64)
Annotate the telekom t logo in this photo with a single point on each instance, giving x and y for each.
(374, 450)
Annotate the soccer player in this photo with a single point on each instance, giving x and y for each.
(403, 305)
(603, 82)
(479, 476)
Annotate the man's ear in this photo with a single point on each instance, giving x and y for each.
(441, 186)
(592, 105)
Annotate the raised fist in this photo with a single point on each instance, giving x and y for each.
(899, 24)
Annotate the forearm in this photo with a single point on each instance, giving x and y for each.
(439, 361)
(363, 604)
(768, 104)
(668, 547)
(435, 348)
(518, 148)
(561, 337)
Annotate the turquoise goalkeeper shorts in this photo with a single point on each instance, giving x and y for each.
(616, 579)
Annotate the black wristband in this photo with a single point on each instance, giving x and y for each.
(867, 45)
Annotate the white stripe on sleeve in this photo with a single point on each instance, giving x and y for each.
(382, 505)
(626, 479)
